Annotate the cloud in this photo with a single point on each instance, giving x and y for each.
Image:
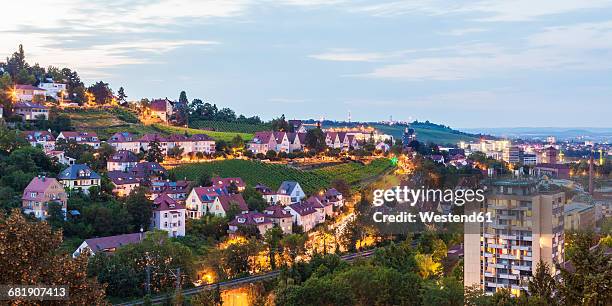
(349, 56)
(464, 31)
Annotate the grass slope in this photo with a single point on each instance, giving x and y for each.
(426, 134)
(221, 126)
(253, 172)
(226, 136)
(272, 175)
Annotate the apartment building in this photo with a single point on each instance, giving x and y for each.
(527, 226)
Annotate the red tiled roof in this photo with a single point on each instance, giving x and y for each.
(227, 181)
(303, 209)
(250, 218)
(123, 156)
(112, 242)
(28, 87)
(277, 212)
(38, 186)
(227, 200)
(165, 202)
(38, 135)
(152, 137)
(160, 105)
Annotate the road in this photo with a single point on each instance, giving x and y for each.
(238, 281)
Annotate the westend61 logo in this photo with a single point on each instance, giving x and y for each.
(406, 196)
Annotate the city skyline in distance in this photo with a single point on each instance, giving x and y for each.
(466, 65)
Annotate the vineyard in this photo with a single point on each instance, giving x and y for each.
(253, 172)
(223, 126)
(225, 136)
(354, 173)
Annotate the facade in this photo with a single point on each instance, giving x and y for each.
(169, 216)
(257, 220)
(225, 203)
(162, 109)
(280, 217)
(41, 138)
(61, 157)
(122, 161)
(79, 177)
(560, 171)
(29, 93)
(84, 138)
(31, 111)
(123, 182)
(125, 141)
(139, 175)
(293, 190)
(304, 215)
(579, 216)
(273, 197)
(529, 159)
(527, 226)
(513, 154)
(54, 90)
(107, 244)
(39, 193)
(176, 190)
(199, 143)
(200, 199)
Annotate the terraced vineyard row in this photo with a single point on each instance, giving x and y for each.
(353, 173)
(222, 126)
(253, 172)
(226, 136)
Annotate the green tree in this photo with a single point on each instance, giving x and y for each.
(121, 96)
(101, 92)
(543, 285)
(315, 140)
(273, 237)
(294, 244)
(204, 180)
(448, 292)
(280, 124)
(140, 208)
(154, 153)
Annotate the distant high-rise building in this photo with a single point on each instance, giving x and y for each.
(513, 154)
(527, 226)
(551, 155)
(551, 140)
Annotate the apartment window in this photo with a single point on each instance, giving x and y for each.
(165, 224)
(165, 215)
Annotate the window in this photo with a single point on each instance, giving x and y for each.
(165, 215)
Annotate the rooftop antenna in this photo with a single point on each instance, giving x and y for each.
(349, 116)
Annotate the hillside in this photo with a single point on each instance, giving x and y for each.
(272, 175)
(428, 133)
(107, 121)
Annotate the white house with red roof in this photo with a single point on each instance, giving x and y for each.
(262, 142)
(29, 93)
(169, 216)
(322, 206)
(276, 141)
(280, 217)
(162, 109)
(250, 219)
(125, 141)
(272, 197)
(334, 196)
(40, 192)
(297, 141)
(225, 203)
(123, 182)
(304, 215)
(122, 160)
(85, 138)
(31, 111)
(200, 199)
(40, 138)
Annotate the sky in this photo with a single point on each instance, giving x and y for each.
(520, 63)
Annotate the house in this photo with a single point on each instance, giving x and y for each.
(250, 219)
(79, 177)
(293, 190)
(149, 170)
(124, 182)
(334, 196)
(262, 142)
(176, 190)
(280, 217)
(57, 91)
(40, 192)
(60, 157)
(297, 141)
(107, 244)
(437, 158)
(200, 199)
(31, 111)
(272, 197)
(162, 109)
(322, 206)
(125, 141)
(84, 138)
(168, 215)
(29, 93)
(199, 143)
(122, 160)
(304, 215)
(226, 202)
(297, 126)
(41, 138)
(224, 183)
(1, 111)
